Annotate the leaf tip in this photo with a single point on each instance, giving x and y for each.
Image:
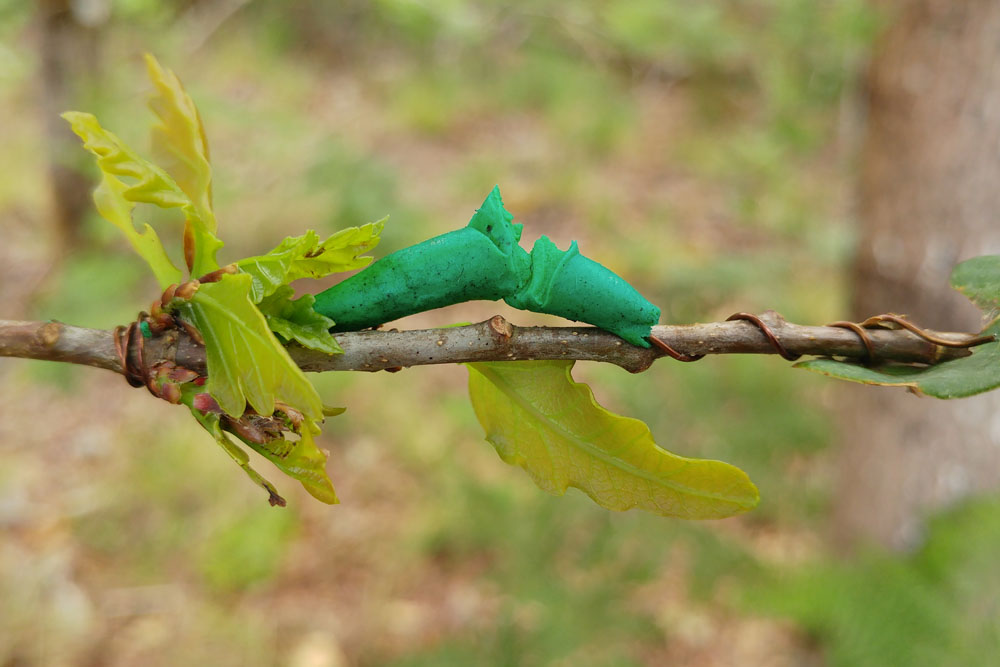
(325, 495)
(77, 119)
(154, 70)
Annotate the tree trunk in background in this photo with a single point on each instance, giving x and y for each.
(68, 42)
(930, 197)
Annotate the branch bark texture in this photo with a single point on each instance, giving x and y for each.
(492, 340)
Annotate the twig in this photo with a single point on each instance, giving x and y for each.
(498, 340)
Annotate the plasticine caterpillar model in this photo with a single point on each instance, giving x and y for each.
(484, 261)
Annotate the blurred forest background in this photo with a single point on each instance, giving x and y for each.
(708, 152)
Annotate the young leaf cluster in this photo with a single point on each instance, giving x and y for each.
(244, 312)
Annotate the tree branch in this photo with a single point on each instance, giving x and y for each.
(493, 340)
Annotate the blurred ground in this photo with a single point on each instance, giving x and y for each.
(704, 152)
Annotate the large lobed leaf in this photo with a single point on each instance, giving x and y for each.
(306, 257)
(537, 417)
(246, 363)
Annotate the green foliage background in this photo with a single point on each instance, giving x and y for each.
(702, 151)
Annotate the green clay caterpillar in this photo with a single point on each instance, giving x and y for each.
(484, 261)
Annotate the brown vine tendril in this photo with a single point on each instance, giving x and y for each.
(671, 352)
(901, 321)
(862, 334)
(766, 330)
(772, 338)
(876, 321)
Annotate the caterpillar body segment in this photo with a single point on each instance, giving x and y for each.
(570, 285)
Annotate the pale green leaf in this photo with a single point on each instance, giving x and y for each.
(113, 207)
(147, 183)
(306, 257)
(302, 460)
(179, 138)
(537, 417)
(297, 320)
(246, 363)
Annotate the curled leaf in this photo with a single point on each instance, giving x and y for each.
(210, 421)
(146, 182)
(302, 460)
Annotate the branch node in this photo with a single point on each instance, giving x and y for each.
(501, 328)
(49, 333)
